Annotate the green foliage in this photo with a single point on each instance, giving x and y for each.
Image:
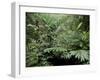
(55, 49)
(56, 39)
(81, 54)
(31, 59)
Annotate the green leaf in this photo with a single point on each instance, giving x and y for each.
(79, 25)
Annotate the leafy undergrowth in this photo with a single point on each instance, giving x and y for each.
(56, 39)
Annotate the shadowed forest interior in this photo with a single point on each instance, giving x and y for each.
(54, 39)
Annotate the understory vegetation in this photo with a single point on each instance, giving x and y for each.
(57, 39)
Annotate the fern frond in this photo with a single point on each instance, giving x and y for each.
(55, 49)
(81, 54)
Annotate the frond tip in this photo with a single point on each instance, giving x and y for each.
(81, 54)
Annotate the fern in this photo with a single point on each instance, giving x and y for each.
(55, 49)
(81, 54)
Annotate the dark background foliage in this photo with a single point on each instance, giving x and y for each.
(56, 39)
